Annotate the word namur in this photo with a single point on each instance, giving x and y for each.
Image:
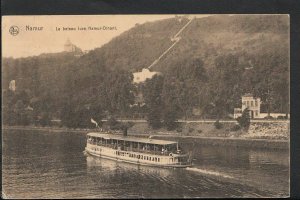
(33, 28)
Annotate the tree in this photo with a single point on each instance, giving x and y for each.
(169, 118)
(154, 118)
(152, 95)
(244, 120)
(225, 89)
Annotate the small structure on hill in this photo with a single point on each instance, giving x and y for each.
(139, 77)
(69, 47)
(12, 85)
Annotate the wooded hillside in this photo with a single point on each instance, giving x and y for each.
(217, 59)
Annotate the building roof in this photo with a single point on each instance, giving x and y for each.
(131, 139)
(139, 77)
(248, 95)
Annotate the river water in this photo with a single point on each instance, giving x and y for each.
(42, 164)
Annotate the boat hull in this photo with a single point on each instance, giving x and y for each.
(137, 158)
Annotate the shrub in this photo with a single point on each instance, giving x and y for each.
(179, 130)
(218, 125)
(191, 130)
(235, 128)
(281, 117)
(268, 117)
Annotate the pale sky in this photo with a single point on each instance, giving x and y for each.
(30, 43)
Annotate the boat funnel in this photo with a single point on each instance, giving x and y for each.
(125, 131)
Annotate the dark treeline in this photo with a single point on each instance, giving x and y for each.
(82, 94)
(217, 60)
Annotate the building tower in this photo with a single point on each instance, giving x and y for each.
(69, 47)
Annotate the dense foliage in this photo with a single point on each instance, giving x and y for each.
(217, 60)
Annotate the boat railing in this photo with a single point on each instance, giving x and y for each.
(114, 146)
(126, 148)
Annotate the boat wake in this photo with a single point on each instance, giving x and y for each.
(209, 172)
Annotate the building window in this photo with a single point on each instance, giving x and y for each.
(251, 103)
(256, 103)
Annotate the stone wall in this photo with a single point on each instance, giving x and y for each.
(266, 130)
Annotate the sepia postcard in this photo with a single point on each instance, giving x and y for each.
(145, 106)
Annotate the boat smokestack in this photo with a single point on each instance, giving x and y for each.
(125, 131)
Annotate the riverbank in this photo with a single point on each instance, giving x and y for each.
(201, 140)
(232, 142)
(50, 129)
(270, 130)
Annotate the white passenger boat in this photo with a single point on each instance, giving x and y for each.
(141, 151)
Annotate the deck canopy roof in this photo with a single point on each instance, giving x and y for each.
(130, 139)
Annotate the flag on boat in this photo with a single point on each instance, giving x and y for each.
(94, 122)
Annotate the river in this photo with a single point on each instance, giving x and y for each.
(45, 164)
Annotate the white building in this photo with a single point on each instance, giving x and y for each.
(253, 105)
(12, 85)
(250, 102)
(139, 77)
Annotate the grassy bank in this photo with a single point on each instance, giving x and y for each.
(258, 130)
